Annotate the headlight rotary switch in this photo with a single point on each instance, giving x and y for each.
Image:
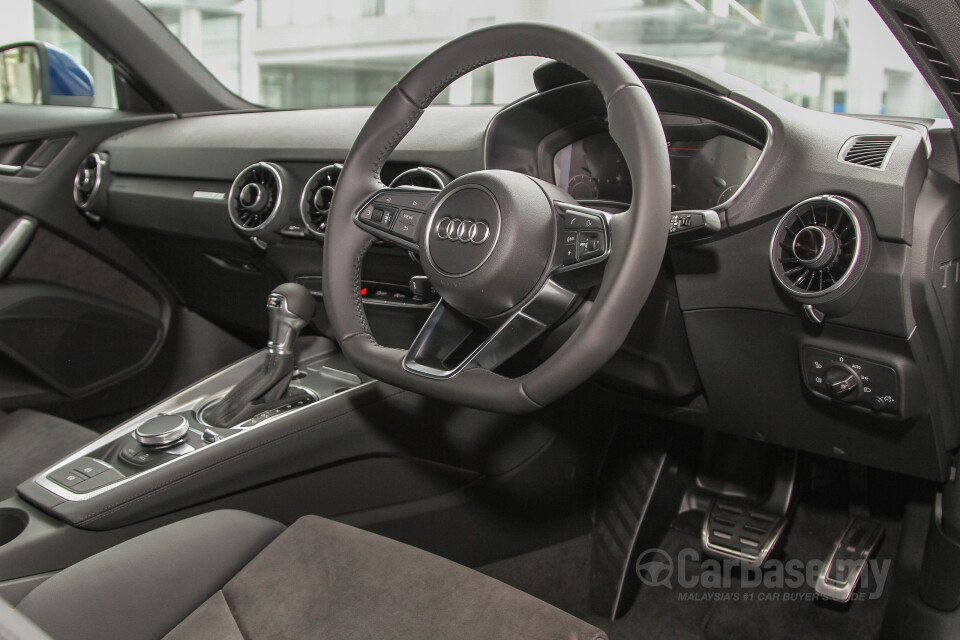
(842, 381)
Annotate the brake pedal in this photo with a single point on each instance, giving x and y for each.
(742, 533)
(841, 573)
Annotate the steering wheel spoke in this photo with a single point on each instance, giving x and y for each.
(450, 342)
(510, 255)
(396, 215)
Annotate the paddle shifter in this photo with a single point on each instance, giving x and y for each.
(289, 308)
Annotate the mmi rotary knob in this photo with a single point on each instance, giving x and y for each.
(161, 430)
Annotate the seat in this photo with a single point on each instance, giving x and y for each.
(232, 575)
(30, 441)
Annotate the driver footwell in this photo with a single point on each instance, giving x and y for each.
(692, 597)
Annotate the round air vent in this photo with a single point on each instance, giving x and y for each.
(316, 198)
(423, 177)
(86, 184)
(256, 197)
(821, 247)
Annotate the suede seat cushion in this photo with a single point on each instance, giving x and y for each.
(322, 579)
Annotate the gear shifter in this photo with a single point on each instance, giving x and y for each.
(289, 308)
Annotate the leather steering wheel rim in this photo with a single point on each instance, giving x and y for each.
(637, 239)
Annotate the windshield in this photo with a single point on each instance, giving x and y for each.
(829, 55)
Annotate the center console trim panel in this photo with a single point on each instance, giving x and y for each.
(191, 399)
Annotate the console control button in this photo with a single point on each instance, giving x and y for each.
(98, 481)
(67, 476)
(294, 230)
(89, 467)
(135, 454)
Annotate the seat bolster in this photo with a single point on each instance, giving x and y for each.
(15, 626)
(144, 587)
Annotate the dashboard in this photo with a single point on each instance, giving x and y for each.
(705, 173)
(817, 261)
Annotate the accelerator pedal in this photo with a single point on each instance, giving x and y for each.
(841, 573)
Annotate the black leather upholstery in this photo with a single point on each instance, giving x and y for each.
(30, 441)
(229, 575)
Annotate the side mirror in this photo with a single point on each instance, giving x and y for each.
(39, 73)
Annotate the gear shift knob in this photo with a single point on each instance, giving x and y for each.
(289, 308)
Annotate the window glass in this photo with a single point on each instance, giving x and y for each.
(829, 55)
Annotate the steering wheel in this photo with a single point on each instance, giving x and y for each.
(510, 255)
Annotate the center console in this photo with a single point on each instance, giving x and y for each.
(179, 429)
(279, 383)
(245, 425)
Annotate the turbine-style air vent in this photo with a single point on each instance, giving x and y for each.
(941, 67)
(316, 198)
(255, 197)
(816, 246)
(423, 177)
(868, 151)
(86, 184)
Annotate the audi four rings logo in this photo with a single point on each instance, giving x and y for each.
(466, 231)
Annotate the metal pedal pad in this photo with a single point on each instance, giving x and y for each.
(738, 532)
(841, 573)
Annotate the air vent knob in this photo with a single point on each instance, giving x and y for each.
(86, 178)
(253, 197)
(323, 198)
(816, 247)
(842, 381)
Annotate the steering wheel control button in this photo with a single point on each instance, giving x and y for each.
(408, 224)
(379, 215)
(577, 220)
(406, 200)
(569, 254)
(591, 244)
(852, 380)
(67, 476)
(89, 467)
(570, 237)
(162, 430)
